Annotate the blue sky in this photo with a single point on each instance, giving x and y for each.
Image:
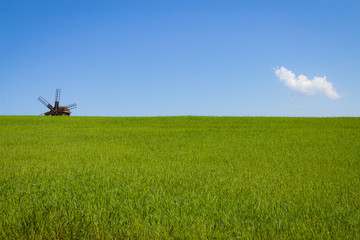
(165, 58)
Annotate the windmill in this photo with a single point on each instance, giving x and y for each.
(57, 110)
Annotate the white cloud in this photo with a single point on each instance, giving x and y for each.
(303, 85)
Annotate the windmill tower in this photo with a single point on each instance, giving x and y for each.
(57, 110)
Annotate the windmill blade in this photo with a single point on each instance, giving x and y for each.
(57, 95)
(45, 114)
(57, 98)
(46, 103)
(71, 106)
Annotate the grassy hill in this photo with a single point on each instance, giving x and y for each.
(179, 177)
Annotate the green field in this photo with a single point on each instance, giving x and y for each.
(179, 177)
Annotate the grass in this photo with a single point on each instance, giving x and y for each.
(179, 177)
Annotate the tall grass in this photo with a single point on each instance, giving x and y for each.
(179, 177)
